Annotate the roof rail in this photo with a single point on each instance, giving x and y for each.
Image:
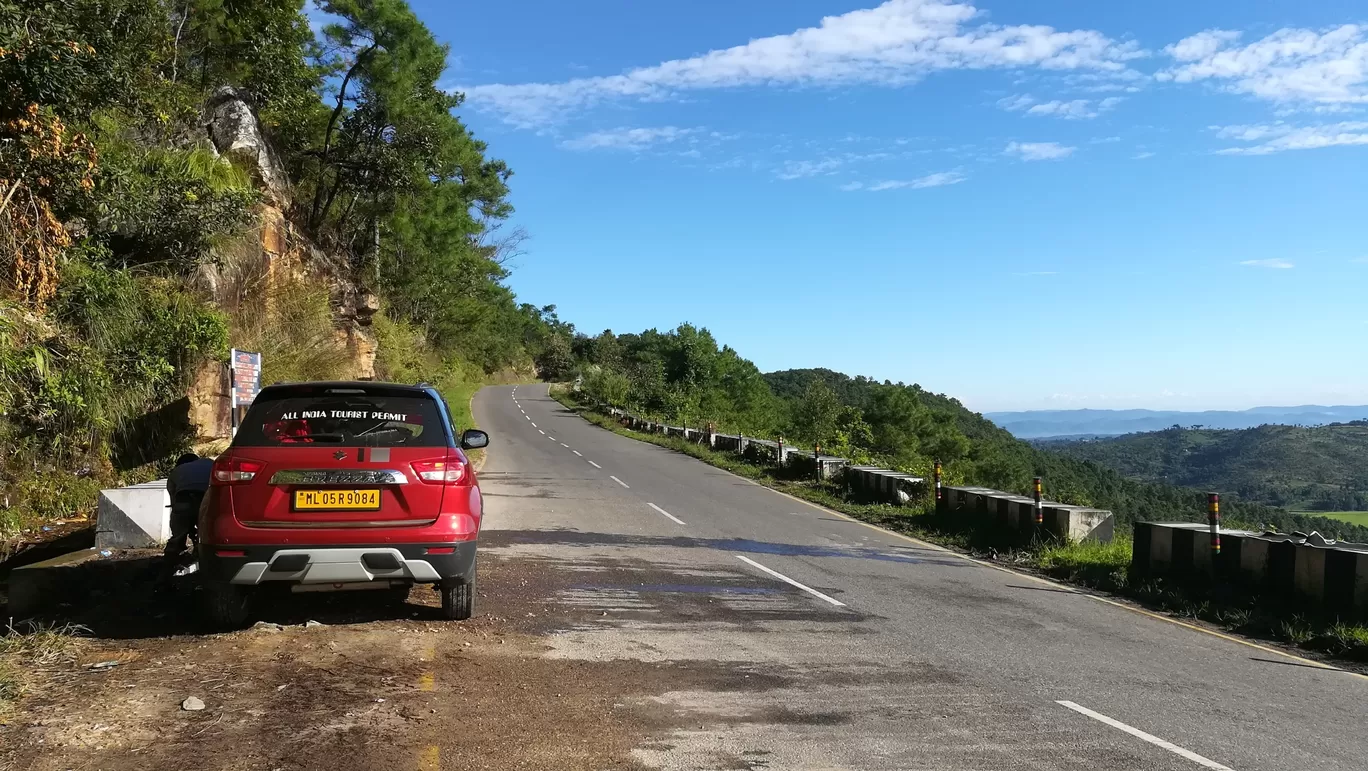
(422, 384)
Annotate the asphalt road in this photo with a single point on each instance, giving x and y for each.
(835, 645)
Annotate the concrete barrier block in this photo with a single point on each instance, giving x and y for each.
(1361, 584)
(1308, 575)
(136, 517)
(1254, 559)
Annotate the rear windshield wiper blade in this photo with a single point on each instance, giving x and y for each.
(317, 437)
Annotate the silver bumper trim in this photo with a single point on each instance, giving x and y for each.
(337, 566)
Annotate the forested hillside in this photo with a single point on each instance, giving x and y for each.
(1319, 469)
(136, 245)
(683, 376)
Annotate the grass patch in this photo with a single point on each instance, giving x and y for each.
(1352, 517)
(1103, 567)
(23, 651)
(1097, 565)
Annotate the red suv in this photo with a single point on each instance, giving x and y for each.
(337, 486)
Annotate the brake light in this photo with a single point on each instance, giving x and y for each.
(440, 472)
(236, 471)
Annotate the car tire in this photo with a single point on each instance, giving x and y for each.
(225, 605)
(458, 599)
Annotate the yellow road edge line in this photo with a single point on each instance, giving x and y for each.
(430, 759)
(426, 682)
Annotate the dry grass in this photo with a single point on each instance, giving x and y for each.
(24, 651)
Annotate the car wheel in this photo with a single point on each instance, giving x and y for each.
(458, 599)
(225, 605)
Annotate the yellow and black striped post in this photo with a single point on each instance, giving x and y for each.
(1214, 519)
(1036, 490)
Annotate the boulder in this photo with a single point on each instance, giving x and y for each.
(237, 135)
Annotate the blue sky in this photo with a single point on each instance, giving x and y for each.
(1021, 204)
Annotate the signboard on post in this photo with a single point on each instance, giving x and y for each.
(244, 373)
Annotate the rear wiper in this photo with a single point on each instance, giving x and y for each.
(317, 437)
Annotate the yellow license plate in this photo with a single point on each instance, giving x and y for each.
(337, 500)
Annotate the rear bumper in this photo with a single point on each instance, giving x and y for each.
(322, 565)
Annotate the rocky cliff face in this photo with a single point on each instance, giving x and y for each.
(271, 253)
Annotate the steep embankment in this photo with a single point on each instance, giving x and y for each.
(179, 179)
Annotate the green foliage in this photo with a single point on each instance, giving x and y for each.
(167, 207)
(1320, 469)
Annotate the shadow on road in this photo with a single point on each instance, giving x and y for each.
(127, 599)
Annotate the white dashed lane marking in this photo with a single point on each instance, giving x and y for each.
(577, 452)
(1141, 735)
(543, 433)
(566, 446)
(791, 582)
(619, 481)
(667, 514)
(595, 465)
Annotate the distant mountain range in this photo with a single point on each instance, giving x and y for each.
(1040, 424)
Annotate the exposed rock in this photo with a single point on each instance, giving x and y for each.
(192, 704)
(237, 135)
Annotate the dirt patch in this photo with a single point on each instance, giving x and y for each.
(376, 686)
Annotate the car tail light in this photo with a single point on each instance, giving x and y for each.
(440, 472)
(236, 471)
(440, 550)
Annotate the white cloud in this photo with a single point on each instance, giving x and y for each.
(1279, 137)
(802, 169)
(1038, 151)
(1071, 110)
(1330, 66)
(1275, 263)
(630, 139)
(893, 44)
(1143, 155)
(1104, 140)
(1016, 102)
(851, 187)
(939, 179)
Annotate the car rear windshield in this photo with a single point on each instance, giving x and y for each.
(349, 417)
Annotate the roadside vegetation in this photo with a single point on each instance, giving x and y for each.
(684, 377)
(25, 652)
(130, 250)
(1092, 566)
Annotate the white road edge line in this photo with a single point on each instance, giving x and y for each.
(595, 465)
(577, 452)
(790, 581)
(670, 516)
(1137, 733)
(615, 479)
